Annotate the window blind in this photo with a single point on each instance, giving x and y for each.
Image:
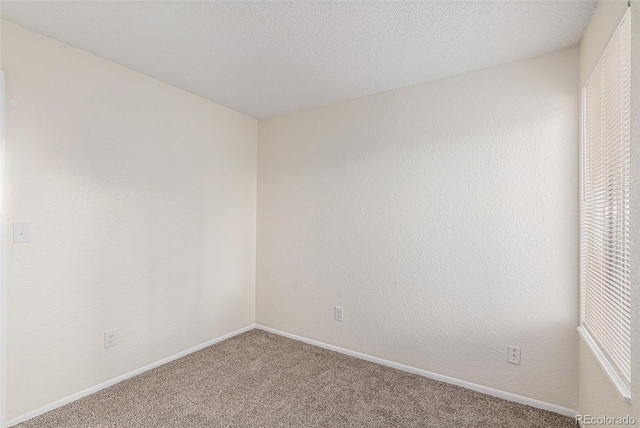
(605, 228)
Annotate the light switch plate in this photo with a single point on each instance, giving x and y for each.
(21, 232)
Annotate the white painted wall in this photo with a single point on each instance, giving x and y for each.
(441, 216)
(142, 199)
(598, 397)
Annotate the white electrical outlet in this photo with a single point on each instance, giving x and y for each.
(110, 339)
(21, 232)
(513, 356)
(338, 313)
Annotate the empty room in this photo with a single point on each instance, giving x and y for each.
(320, 214)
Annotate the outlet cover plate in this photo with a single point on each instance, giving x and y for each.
(21, 232)
(513, 355)
(110, 339)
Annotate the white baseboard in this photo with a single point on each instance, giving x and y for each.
(78, 395)
(475, 387)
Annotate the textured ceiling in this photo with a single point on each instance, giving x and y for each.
(269, 58)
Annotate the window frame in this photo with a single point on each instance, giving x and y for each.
(620, 383)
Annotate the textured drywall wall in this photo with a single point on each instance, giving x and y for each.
(442, 217)
(598, 397)
(142, 203)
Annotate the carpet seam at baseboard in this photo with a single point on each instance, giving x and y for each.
(113, 381)
(424, 373)
(509, 396)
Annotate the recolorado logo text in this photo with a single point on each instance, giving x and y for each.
(605, 420)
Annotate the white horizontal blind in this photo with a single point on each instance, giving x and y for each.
(605, 282)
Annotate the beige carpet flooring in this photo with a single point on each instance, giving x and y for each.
(258, 379)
